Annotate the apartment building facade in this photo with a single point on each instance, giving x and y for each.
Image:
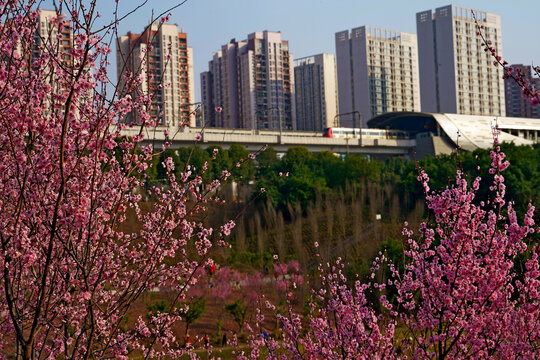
(46, 37)
(315, 79)
(456, 74)
(517, 105)
(377, 71)
(250, 84)
(162, 57)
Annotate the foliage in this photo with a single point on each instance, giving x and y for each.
(299, 176)
(197, 159)
(157, 307)
(521, 178)
(161, 170)
(255, 260)
(242, 171)
(208, 165)
(238, 310)
(196, 307)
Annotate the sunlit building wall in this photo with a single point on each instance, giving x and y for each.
(377, 73)
(456, 74)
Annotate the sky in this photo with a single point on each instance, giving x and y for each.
(309, 26)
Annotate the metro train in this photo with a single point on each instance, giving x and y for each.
(354, 133)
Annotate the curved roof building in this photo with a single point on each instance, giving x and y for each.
(442, 133)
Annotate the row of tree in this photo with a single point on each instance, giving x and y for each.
(300, 175)
(235, 160)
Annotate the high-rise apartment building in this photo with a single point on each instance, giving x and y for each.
(46, 37)
(377, 73)
(517, 105)
(251, 84)
(315, 80)
(456, 74)
(54, 36)
(207, 105)
(162, 56)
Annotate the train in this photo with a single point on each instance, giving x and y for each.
(355, 133)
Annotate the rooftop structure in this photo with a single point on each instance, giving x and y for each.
(438, 133)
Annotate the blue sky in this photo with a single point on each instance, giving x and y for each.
(310, 25)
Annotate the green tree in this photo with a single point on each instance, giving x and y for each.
(332, 168)
(298, 159)
(358, 168)
(196, 158)
(158, 307)
(246, 170)
(305, 178)
(238, 310)
(301, 188)
(267, 158)
(195, 311)
(160, 169)
(221, 162)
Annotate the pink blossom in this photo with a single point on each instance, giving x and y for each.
(458, 295)
(72, 175)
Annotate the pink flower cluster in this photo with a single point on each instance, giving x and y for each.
(459, 287)
(460, 295)
(340, 324)
(71, 266)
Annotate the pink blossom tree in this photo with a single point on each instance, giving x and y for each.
(287, 275)
(254, 287)
(340, 324)
(224, 281)
(71, 271)
(460, 296)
